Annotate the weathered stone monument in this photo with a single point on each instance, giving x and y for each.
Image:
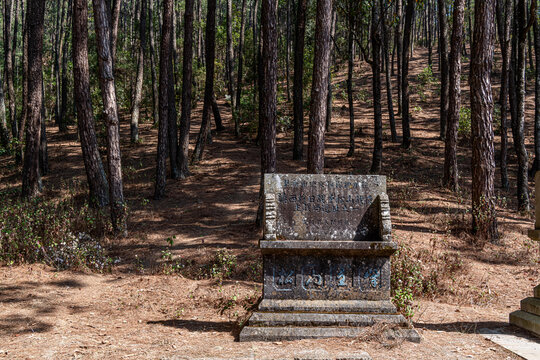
(326, 250)
(529, 315)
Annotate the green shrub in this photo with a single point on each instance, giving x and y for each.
(59, 234)
(224, 264)
(426, 76)
(464, 127)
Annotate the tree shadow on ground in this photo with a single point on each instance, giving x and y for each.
(465, 327)
(195, 325)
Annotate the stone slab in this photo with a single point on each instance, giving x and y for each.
(526, 321)
(339, 306)
(524, 346)
(322, 319)
(531, 305)
(314, 247)
(261, 333)
(326, 277)
(324, 207)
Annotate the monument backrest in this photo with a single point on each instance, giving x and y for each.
(326, 207)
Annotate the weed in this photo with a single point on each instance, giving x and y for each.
(224, 265)
(464, 126)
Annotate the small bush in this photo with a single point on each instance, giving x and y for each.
(59, 234)
(464, 127)
(224, 265)
(426, 76)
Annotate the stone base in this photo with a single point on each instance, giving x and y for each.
(526, 321)
(262, 333)
(316, 319)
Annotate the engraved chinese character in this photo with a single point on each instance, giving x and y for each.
(341, 277)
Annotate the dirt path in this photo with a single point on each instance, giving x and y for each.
(146, 309)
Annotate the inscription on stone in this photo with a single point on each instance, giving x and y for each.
(324, 207)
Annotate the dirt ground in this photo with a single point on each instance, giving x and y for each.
(148, 307)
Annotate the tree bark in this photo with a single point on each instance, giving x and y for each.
(115, 19)
(31, 180)
(518, 126)
(399, 49)
(230, 68)
(164, 78)
(319, 88)
(187, 78)
(405, 115)
(173, 115)
(95, 173)
(386, 42)
(443, 36)
(136, 104)
(110, 113)
(350, 67)
(210, 50)
(536, 164)
(483, 157)
(376, 84)
(9, 6)
(155, 91)
(329, 97)
(298, 81)
(450, 176)
(268, 99)
(240, 68)
(4, 132)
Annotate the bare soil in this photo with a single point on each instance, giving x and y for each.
(147, 308)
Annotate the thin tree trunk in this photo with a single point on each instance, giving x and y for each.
(31, 180)
(230, 68)
(405, 116)
(429, 24)
(288, 49)
(329, 97)
(164, 78)
(240, 69)
(518, 126)
(43, 151)
(390, 102)
(505, 24)
(298, 81)
(536, 164)
(483, 157)
(376, 81)
(8, 62)
(155, 91)
(187, 78)
(443, 36)
(268, 99)
(350, 67)
(115, 18)
(450, 177)
(4, 132)
(399, 40)
(136, 104)
(24, 115)
(173, 115)
(95, 173)
(210, 51)
(319, 87)
(108, 94)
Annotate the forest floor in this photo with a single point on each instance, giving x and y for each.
(151, 307)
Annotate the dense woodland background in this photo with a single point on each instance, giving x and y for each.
(134, 135)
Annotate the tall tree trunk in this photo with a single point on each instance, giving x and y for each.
(268, 99)
(136, 104)
(518, 126)
(240, 67)
(298, 81)
(429, 32)
(450, 177)
(24, 115)
(155, 91)
(110, 113)
(115, 18)
(173, 115)
(64, 77)
(187, 78)
(483, 157)
(390, 102)
(210, 50)
(443, 36)
(329, 97)
(319, 88)
(43, 150)
(504, 20)
(536, 164)
(230, 67)
(405, 115)
(350, 67)
(4, 132)
(376, 70)
(8, 62)
(31, 180)
(164, 78)
(95, 173)
(399, 41)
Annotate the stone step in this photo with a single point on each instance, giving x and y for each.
(531, 305)
(325, 306)
(263, 333)
(526, 321)
(318, 319)
(537, 292)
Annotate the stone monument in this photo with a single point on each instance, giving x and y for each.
(529, 315)
(326, 250)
